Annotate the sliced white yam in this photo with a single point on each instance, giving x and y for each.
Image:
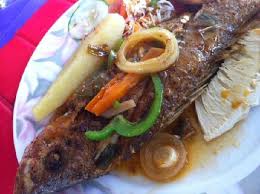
(80, 66)
(215, 106)
(240, 77)
(214, 126)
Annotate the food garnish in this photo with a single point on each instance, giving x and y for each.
(81, 65)
(114, 90)
(111, 58)
(154, 3)
(163, 157)
(118, 44)
(119, 107)
(116, 104)
(104, 51)
(113, 53)
(99, 50)
(141, 14)
(156, 64)
(146, 13)
(121, 84)
(127, 129)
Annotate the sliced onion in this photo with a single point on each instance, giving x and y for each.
(160, 63)
(163, 157)
(124, 106)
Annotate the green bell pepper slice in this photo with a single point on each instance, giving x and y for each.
(128, 129)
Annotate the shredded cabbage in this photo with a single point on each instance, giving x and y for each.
(143, 13)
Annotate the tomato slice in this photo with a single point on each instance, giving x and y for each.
(117, 6)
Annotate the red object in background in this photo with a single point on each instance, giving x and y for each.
(13, 59)
(8, 163)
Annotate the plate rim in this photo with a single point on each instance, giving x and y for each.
(25, 70)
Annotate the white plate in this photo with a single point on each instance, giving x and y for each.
(225, 166)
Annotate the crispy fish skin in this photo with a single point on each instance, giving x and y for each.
(61, 156)
(208, 34)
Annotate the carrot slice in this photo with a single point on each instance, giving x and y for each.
(118, 87)
(114, 90)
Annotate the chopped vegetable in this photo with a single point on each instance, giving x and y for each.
(115, 6)
(117, 87)
(154, 3)
(152, 53)
(152, 65)
(80, 66)
(122, 11)
(116, 104)
(114, 90)
(111, 58)
(99, 50)
(124, 106)
(118, 44)
(135, 129)
(112, 54)
(127, 129)
(146, 13)
(163, 157)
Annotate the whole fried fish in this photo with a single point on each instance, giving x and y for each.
(61, 156)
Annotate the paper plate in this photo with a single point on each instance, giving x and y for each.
(227, 161)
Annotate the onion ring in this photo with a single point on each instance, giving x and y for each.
(153, 65)
(155, 164)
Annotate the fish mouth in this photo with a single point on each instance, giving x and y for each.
(61, 156)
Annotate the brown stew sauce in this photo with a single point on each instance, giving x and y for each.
(199, 152)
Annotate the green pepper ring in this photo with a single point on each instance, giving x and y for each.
(128, 129)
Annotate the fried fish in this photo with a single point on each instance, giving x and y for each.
(61, 156)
